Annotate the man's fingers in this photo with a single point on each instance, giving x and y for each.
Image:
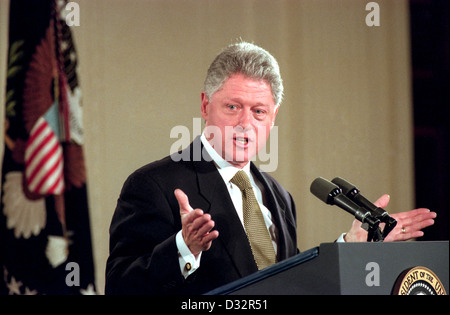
(420, 217)
(183, 202)
(208, 238)
(206, 228)
(200, 227)
(200, 222)
(198, 234)
(410, 224)
(407, 215)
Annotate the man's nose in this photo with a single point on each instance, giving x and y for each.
(245, 118)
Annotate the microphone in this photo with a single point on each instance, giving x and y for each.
(353, 193)
(331, 194)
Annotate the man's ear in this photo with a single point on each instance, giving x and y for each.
(204, 106)
(274, 116)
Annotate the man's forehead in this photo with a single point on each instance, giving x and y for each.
(239, 77)
(239, 86)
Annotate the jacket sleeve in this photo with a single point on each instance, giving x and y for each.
(143, 254)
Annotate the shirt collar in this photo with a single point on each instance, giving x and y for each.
(226, 169)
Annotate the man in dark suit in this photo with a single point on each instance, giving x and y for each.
(181, 223)
(145, 258)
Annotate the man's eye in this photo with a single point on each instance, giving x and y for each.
(232, 107)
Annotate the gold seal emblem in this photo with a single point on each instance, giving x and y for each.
(418, 281)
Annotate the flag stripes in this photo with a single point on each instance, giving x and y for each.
(44, 160)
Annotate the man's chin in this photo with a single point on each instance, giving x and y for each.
(239, 157)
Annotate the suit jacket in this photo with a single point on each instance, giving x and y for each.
(143, 253)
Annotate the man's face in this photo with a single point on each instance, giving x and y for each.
(239, 117)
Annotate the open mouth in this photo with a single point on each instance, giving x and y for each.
(241, 141)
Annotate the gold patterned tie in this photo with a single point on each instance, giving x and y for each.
(255, 227)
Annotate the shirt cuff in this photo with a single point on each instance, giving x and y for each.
(341, 238)
(188, 262)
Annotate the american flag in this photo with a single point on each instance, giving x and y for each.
(45, 241)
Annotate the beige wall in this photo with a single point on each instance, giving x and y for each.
(347, 108)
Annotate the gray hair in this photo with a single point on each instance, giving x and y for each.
(249, 60)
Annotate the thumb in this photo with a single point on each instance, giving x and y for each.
(383, 201)
(183, 202)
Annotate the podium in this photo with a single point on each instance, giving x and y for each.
(353, 268)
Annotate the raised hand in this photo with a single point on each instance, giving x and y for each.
(196, 225)
(409, 224)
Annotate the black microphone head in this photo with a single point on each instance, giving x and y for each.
(345, 186)
(324, 190)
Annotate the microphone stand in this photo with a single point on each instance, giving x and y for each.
(371, 224)
(390, 225)
(373, 232)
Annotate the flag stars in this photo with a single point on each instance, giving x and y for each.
(14, 286)
(73, 56)
(64, 45)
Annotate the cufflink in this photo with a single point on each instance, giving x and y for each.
(188, 266)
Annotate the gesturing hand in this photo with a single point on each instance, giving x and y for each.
(409, 224)
(196, 225)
